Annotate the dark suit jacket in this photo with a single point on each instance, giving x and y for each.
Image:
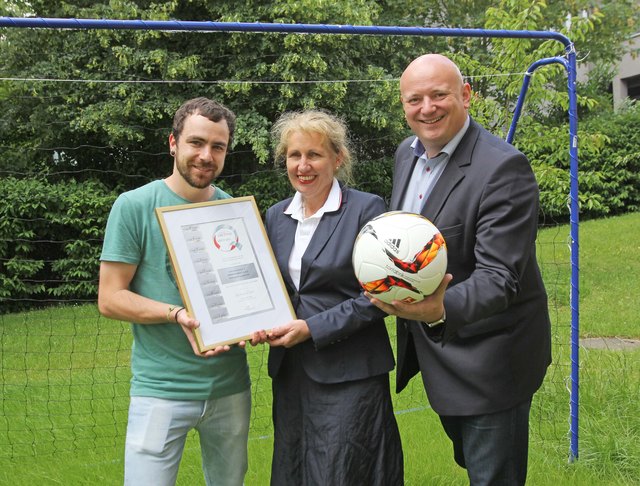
(494, 349)
(349, 337)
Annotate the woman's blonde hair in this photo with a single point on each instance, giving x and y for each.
(333, 129)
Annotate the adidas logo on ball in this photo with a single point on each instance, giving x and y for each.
(393, 244)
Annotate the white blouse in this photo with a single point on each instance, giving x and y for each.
(307, 227)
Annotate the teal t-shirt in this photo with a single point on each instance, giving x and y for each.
(162, 361)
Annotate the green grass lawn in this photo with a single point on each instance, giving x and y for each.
(609, 269)
(65, 387)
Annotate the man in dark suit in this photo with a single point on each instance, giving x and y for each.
(482, 340)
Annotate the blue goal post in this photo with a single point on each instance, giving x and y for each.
(568, 61)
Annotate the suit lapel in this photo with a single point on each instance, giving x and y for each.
(449, 179)
(452, 174)
(404, 169)
(326, 228)
(283, 244)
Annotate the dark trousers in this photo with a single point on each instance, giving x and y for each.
(492, 447)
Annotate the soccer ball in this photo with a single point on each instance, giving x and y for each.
(399, 256)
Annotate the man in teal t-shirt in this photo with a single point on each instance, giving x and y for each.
(175, 388)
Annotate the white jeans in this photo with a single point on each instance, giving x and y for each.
(158, 428)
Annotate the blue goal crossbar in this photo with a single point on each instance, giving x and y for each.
(568, 61)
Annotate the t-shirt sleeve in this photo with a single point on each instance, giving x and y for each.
(122, 234)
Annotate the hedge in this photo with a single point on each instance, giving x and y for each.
(51, 232)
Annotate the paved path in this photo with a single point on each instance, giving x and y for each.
(611, 343)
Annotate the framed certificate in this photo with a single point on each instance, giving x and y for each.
(225, 269)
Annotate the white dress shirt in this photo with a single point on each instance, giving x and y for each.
(427, 171)
(307, 226)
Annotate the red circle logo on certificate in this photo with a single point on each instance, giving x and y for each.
(225, 238)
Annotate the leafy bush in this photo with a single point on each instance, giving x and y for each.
(374, 176)
(50, 240)
(608, 163)
(619, 158)
(267, 187)
(51, 233)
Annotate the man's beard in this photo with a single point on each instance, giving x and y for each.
(198, 183)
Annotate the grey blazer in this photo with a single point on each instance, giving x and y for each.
(494, 349)
(349, 337)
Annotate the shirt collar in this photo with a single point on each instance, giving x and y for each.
(419, 149)
(333, 202)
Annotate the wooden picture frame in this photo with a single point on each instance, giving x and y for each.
(225, 269)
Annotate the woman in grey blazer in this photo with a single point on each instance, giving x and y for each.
(332, 410)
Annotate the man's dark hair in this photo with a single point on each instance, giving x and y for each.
(210, 109)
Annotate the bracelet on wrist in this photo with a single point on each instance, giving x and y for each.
(178, 312)
(171, 309)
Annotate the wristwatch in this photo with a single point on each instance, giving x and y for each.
(439, 321)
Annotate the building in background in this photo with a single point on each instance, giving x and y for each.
(626, 83)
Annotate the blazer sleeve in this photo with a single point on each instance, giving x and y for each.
(356, 313)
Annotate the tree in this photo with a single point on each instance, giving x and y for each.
(121, 128)
(97, 127)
